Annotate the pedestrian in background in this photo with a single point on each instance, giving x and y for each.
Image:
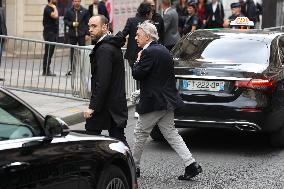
(192, 22)
(157, 20)
(98, 8)
(50, 33)
(76, 18)
(159, 98)
(214, 14)
(258, 24)
(181, 9)
(108, 107)
(236, 12)
(3, 31)
(250, 10)
(144, 12)
(201, 12)
(170, 17)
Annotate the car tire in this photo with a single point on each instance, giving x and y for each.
(156, 134)
(113, 177)
(277, 138)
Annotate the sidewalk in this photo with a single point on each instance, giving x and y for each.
(71, 111)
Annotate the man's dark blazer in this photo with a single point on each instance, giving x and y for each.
(159, 23)
(155, 71)
(3, 28)
(101, 9)
(218, 14)
(83, 19)
(251, 11)
(108, 99)
(130, 30)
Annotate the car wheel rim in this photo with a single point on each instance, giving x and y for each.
(116, 183)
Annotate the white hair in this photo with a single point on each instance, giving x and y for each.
(150, 29)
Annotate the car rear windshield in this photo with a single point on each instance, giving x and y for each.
(222, 50)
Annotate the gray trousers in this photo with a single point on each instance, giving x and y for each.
(165, 120)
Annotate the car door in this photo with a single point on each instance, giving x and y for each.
(29, 159)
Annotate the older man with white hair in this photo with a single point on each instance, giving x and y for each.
(154, 68)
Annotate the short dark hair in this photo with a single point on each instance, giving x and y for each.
(235, 5)
(191, 3)
(167, 2)
(104, 19)
(144, 9)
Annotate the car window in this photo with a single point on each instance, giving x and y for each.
(16, 120)
(236, 51)
(223, 50)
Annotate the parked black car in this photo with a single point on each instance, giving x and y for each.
(231, 79)
(38, 152)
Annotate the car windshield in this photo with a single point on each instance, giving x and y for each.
(222, 50)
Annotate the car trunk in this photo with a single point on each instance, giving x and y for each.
(219, 67)
(215, 82)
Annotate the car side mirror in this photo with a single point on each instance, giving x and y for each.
(55, 126)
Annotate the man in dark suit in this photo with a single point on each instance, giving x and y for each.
(159, 97)
(249, 9)
(144, 12)
(76, 18)
(98, 8)
(157, 20)
(170, 17)
(108, 108)
(214, 14)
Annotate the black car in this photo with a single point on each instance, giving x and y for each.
(38, 152)
(231, 79)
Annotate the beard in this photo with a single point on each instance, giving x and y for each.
(96, 38)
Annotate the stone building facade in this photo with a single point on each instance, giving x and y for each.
(24, 17)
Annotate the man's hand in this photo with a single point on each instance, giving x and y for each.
(87, 37)
(88, 113)
(75, 24)
(139, 55)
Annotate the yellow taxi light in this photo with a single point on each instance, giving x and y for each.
(241, 21)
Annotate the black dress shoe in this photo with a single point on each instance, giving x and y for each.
(137, 172)
(68, 73)
(191, 171)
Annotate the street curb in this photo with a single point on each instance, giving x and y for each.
(79, 117)
(74, 118)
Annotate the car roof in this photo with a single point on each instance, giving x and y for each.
(263, 35)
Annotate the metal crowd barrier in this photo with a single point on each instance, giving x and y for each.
(22, 61)
(277, 28)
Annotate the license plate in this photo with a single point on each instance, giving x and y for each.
(197, 85)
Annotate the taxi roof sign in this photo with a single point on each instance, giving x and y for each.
(241, 21)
